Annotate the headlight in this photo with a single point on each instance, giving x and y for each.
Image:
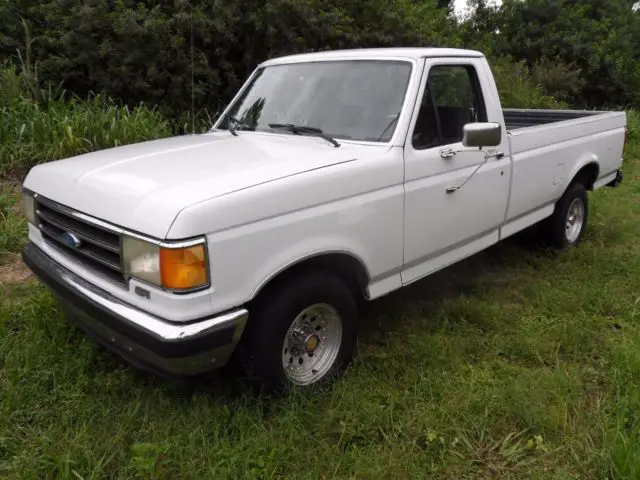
(183, 268)
(141, 260)
(29, 207)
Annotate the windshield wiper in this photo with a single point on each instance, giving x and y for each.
(302, 129)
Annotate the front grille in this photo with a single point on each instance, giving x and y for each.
(99, 247)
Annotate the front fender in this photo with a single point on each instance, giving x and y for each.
(368, 228)
(288, 260)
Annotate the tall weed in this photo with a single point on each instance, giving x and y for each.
(12, 223)
(633, 124)
(33, 133)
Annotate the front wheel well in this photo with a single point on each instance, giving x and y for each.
(587, 176)
(343, 265)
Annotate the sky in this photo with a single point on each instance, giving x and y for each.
(461, 6)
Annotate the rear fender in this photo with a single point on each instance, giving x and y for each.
(587, 160)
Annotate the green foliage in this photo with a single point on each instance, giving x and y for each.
(12, 224)
(518, 87)
(141, 51)
(33, 133)
(583, 52)
(625, 453)
(623, 456)
(592, 42)
(633, 125)
(558, 79)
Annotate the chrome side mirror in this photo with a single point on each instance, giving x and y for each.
(482, 134)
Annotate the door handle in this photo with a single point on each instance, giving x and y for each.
(497, 155)
(447, 153)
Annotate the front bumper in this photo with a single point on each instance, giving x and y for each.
(165, 348)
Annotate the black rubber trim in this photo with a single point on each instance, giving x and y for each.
(44, 267)
(616, 181)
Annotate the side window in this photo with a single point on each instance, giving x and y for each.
(452, 98)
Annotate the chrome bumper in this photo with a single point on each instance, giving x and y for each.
(148, 342)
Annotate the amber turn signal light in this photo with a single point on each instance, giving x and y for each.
(183, 268)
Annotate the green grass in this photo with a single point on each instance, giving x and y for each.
(517, 363)
(12, 225)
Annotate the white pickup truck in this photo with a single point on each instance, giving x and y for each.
(331, 177)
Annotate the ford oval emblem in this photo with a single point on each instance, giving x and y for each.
(71, 240)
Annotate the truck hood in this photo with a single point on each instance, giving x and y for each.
(144, 186)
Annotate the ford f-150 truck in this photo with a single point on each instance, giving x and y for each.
(330, 178)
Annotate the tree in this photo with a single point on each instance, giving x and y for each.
(142, 50)
(596, 37)
(448, 5)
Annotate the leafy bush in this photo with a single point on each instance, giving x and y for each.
(598, 38)
(558, 79)
(517, 87)
(141, 51)
(32, 133)
(583, 52)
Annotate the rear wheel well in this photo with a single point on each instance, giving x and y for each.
(587, 176)
(344, 266)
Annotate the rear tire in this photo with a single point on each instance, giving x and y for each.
(301, 334)
(566, 227)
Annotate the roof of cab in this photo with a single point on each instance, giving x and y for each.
(373, 53)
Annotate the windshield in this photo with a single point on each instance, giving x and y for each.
(356, 99)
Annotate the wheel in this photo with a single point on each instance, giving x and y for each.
(568, 223)
(301, 333)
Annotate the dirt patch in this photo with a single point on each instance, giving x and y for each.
(17, 209)
(14, 271)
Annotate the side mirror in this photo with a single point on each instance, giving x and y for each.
(482, 135)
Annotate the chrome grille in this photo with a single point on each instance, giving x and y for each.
(98, 249)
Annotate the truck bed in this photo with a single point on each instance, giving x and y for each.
(548, 147)
(516, 118)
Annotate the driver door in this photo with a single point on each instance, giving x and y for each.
(442, 227)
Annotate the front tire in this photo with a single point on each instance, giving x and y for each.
(566, 227)
(302, 333)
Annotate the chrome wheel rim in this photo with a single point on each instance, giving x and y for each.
(574, 220)
(312, 344)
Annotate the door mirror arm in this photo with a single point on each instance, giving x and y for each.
(455, 188)
(477, 135)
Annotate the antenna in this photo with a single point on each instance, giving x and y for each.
(193, 98)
